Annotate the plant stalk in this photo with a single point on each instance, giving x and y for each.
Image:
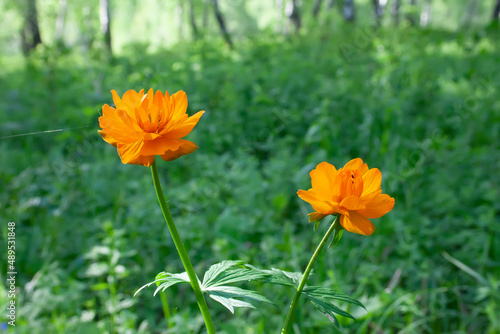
(182, 252)
(166, 308)
(295, 301)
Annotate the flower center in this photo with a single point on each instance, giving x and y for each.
(352, 183)
(150, 120)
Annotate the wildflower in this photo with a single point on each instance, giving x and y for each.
(353, 192)
(146, 125)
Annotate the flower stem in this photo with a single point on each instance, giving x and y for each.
(166, 309)
(295, 301)
(182, 252)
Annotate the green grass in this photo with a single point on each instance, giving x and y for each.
(420, 105)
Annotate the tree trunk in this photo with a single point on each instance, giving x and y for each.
(395, 12)
(412, 15)
(349, 10)
(377, 11)
(496, 11)
(317, 7)
(293, 14)
(60, 21)
(194, 27)
(331, 4)
(204, 21)
(105, 19)
(30, 35)
(222, 25)
(179, 10)
(88, 33)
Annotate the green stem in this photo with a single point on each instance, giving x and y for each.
(166, 309)
(112, 295)
(295, 301)
(182, 252)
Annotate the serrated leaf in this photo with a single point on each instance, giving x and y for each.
(232, 291)
(226, 295)
(168, 280)
(321, 298)
(327, 293)
(237, 275)
(173, 280)
(217, 270)
(228, 272)
(230, 303)
(219, 275)
(328, 308)
(281, 277)
(324, 308)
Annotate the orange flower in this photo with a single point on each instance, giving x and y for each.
(352, 192)
(145, 125)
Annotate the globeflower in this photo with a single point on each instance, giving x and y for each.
(142, 126)
(353, 192)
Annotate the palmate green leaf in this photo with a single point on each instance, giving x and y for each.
(226, 295)
(215, 283)
(219, 275)
(321, 298)
(326, 309)
(217, 270)
(281, 277)
(165, 280)
(232, 291)
(228, 272)
(327, 293)
(230, 303)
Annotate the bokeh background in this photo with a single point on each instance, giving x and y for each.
(410, 86)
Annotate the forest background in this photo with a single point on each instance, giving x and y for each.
(412, 87)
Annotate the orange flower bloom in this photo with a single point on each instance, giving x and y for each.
(353, 192)
(145, 125)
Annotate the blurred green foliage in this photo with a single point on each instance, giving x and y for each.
(421, 105)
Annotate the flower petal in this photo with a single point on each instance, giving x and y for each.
(183, 129)
(322, 178)
(371, 181)
(354, 164)
(316, 201)
(179, 102)
(363, 169)
(129, 102)
(117, 126)
(352, 203)
(130, 152)
(157, 106)
(338, 188)
(355, 223)
(378, 206)
(131, 97)
(107, 138)
(368, 197)
(186, 147)
(144, 160)
(160, 146)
